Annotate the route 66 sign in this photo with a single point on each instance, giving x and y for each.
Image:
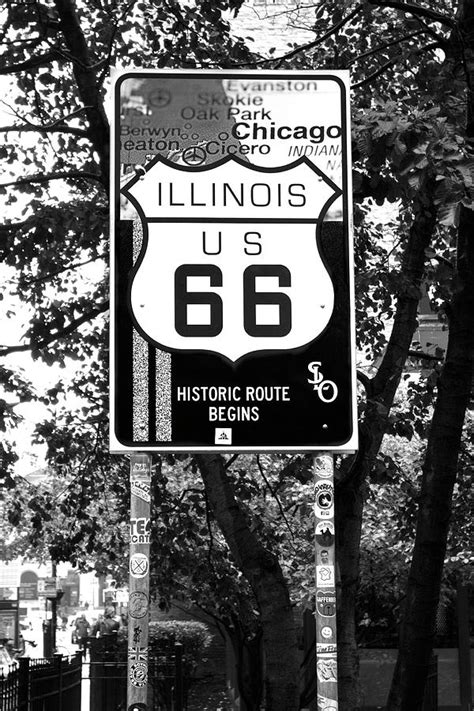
(247, 280)
(232, 263)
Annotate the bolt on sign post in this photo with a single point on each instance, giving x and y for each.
(232, 290)
(139, 582)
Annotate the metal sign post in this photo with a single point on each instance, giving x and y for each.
(139, 582)
(326, 641)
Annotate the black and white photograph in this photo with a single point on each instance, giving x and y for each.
(236, 355)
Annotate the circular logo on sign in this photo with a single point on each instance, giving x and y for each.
(326, 632)
(137, 604)
(138, 674)
(139, 565)
(159, 98)
(137, 706)
(325, 500)
(325, 533)
(194, 155)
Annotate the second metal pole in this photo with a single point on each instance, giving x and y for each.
(139, 582)
(326, 640)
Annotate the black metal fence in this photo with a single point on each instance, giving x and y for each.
(52, 684)
(9, 688)
(168, 680)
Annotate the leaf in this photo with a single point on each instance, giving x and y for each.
(46, 78)
(448, 214)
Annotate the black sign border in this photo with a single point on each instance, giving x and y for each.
(115, 444)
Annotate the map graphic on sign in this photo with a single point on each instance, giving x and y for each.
(231, 262)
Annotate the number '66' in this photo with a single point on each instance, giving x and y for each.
(251, 299)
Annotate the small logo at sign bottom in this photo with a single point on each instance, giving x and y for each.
(223, 435)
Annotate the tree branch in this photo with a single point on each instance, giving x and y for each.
(231, 461)
(14, 226)
(385, 46)
(59, 175)
(375, 74)
(58, 124)
(218, 620)
(33, 62)
(51, 128)
(387, 378)
(324, 37)
(265, 479)
(87, 84)
(425, 356)
(415, 10)
(365, 381)
(107, 61)
(66, 331)
(209, 529)
(50, 275)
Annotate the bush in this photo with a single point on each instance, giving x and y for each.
(194, 636)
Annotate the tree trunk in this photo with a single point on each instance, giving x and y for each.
(349, 508)
(351, 485)
(87, 85)
(439, 476)
(444, 440)
(248, 655)
(263, 572)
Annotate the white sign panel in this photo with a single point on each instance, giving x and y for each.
(232, 285)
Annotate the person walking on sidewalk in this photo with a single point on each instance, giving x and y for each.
(106, 625)
(82, 628)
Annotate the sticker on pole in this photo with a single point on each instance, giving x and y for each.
(139, 565)
(326, 602)
(324, 500)
(138, 674)
(232, 293)
(138, 604)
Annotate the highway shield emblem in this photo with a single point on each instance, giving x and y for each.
(229, 261)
